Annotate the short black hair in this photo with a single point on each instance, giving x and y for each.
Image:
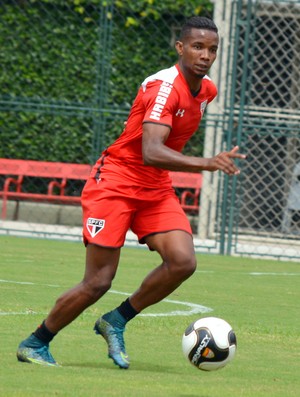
(197, 23)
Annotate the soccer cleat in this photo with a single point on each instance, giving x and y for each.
(114, 339)
(32, 350)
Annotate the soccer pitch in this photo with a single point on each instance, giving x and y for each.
(259, 298)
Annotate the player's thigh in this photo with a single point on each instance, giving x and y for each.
(101, 264)
(175, 247)
(160, 214)
(107, 214)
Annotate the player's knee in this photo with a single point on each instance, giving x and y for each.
(96, 288)
(189, 267)
(184, 264)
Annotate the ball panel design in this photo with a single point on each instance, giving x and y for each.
(188, 342)
(209, 343)
(189, 329)
(214, 365)
(203, 337)
(232, 338)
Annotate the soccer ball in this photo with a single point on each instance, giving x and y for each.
(209, 343)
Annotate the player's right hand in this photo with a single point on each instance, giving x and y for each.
(224, 162)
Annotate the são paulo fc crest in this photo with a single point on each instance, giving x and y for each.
(94, 226)
(202, 107)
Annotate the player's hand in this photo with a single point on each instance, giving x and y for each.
(224, 162)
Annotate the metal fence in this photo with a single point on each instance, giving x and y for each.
(68, 99)
(258, 108)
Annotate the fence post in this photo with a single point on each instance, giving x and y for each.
(239, 130)
(210, 195)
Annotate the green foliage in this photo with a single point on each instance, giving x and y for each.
(156, 9)
(70, 70)
(47, 137)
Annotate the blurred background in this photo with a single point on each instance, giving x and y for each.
(70, 70)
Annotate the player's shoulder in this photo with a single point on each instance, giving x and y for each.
(209, 86)
(167, 75)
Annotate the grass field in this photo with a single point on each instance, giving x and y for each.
(259, 298)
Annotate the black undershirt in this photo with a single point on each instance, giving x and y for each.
(195, 93)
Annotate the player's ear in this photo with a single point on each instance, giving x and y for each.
(179, 47)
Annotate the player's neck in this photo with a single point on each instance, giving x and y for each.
(194, 82)
(195, 93)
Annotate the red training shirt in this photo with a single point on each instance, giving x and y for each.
(163, 98)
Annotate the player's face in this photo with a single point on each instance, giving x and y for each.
(198, 52)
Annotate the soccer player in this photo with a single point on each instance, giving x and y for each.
(130, 188)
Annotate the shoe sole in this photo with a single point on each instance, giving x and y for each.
(24, 359)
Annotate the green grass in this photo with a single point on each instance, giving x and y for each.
(263, 310)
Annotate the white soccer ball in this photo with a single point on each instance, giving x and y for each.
(209, 343)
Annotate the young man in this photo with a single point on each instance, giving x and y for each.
(130, 187)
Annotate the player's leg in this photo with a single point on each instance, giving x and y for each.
(100, 269)
(101, 266)
(99, 219)
(107, 224)
(177, 252)
(178, 263)
(157, 224)
(166, 229)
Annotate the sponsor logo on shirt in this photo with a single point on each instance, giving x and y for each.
(94, 226)
(180, 112)
(161, 100)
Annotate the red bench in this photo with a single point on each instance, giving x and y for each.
(189, 185)
(16, 170)
(59, 174)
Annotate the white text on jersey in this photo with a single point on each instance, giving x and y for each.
(160, 101)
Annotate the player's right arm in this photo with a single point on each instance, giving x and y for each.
(157, 154)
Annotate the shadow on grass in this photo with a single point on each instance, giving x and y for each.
(135, 366)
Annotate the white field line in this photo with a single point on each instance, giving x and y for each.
(274, 274)
(29, 283)
(194, 308)
(257, 273)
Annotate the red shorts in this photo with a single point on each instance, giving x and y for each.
(110, 209)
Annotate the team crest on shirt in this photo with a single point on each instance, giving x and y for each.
(203, 107)
(94, 226)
